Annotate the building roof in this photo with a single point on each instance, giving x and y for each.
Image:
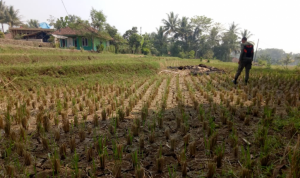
(31, 29)
(65, 31)
(72, 32)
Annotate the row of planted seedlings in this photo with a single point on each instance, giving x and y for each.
(208, 118)
(136, 131)
(212, 149)
(265, 146)
(147, 86)
(43, 125)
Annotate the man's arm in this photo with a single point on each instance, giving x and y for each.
(252, 55)
(242, 52)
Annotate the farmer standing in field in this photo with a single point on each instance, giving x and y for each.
(245, 60)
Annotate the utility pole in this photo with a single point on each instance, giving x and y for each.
(141, 31)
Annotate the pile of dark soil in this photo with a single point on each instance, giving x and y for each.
(199, 69)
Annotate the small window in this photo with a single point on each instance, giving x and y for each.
(84, 42)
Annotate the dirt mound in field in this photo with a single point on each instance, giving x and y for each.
(199, 69)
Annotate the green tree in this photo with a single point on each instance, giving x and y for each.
(287, 60)
(202, 22)
(2, 35)
(275, 54)
(12, 17)
(147, 44)
(2, 13)
(73, 19)
(246, 33)
(32, 23)
(61, 22)
(160, 41)
(183, 32)
(135, 42)
(121, 44)
(171, 23)
(51, 20)
(265, 59)
(231, 42)
(112, 30)
(67, 21)
(128, 33)
(98, 19)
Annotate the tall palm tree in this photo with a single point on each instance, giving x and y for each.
(12, 17)
(170, 23)
(32, 23)
(233, 28)
(231, 43)
(233, 38)
(2, 13)
(184, 31)
(160, 40)
(246, 33)
(214, 37)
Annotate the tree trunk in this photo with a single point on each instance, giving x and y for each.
(2, 27)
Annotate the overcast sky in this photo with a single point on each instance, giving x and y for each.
(276, 23)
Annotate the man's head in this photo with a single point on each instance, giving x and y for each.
(244, 40)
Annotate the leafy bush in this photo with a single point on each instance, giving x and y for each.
(2, 35)
(111, 49)
(209, 54)
(81, 49)
(100, 48)
(182, 55)
(154, 51)
(175, 50)
(51, 39)
(18, 37)
(188, 55)
(191, 54)
(261, 62)
(146, 51)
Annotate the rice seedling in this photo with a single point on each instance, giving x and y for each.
(27, 157)
(129, 138)
(117, 172)
(57, 135)
(75, 160)
(63, 151)
(66, 125)
(95, 120)
(10, 170)
(103, 115)
(72, 143)
(152, 137)
(211, 170)
(45, 143)
(219, 152)
(160, 163)
(89, 154)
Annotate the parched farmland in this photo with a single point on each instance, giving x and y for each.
(73, 114)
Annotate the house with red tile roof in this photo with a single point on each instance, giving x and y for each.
(68, 37)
